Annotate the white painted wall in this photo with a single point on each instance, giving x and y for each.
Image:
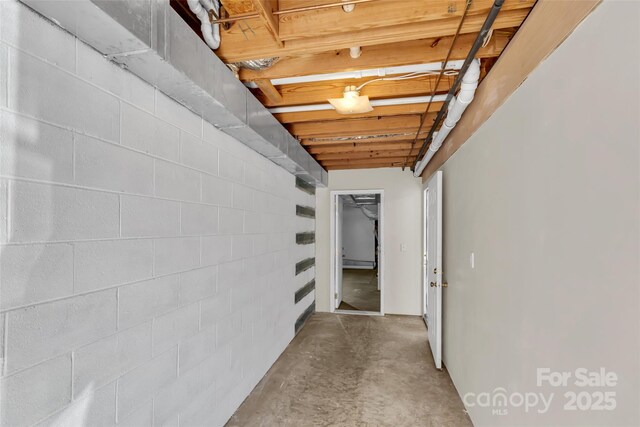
(147, 259)
(547, 195)
(402, 210)
(358, 237)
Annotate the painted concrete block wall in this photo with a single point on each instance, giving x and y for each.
(402, 207)
(547, 196)
(147, 260)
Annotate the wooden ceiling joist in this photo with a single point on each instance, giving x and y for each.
(238, 46)
(366, 166)
(355, 148)
(325, 115)
(380, 56)
(269, 90)
(265, 9)
(356, 127)
(398, 158)
(366, 154)
(380, 14)
(390, 33)
(375, 139)
(319, 92)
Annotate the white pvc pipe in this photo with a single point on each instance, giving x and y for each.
(210, 33)
(355, 52)
(359, 74)
(374, 103)
(456, 108)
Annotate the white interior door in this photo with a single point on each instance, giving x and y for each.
(434, 266)
(425, 259)
(339, 255)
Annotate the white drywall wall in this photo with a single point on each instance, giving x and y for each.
(546, 194)
(147, 259)
(402, 211)
(358, 237)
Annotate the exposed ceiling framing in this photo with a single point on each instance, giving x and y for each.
(391, 33)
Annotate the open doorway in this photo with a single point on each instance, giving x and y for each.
(357, 252)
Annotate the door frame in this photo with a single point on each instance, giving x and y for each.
(332, 290)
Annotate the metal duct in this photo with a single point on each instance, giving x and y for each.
(257, 64)
(151, 40)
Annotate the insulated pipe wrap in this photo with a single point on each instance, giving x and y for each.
(454, 112)
(210, 33)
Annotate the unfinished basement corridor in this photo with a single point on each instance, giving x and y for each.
(347, 370)
(336, 213)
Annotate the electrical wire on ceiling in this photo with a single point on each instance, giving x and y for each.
(410, 76)
(488, 38)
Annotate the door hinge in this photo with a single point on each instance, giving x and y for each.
(335, 295)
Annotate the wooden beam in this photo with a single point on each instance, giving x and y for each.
(379, 56)
(269, 90)
(265, 8)
(324, 115)
(319, 92)
(346, 161)
(365, 154)
(366, 166)
(351, 148)
(381, 13)
(540, 35)
(238, 46)
(327, 142)
(238, 7)
(355, 127)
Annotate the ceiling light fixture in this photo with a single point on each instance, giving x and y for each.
(351, 102)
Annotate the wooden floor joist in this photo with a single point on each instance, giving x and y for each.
(269, 90)
(346, 149)
(329, 115)
(379, 56)
(366, 154)
(390, 33)
(397, 158)
(372, 165)
(265, 9)
(360, 127)
(319, 92)
(376, 139)
(237, 46)
(382, 14)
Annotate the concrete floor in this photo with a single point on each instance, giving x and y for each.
(343, 370)
(360, 290)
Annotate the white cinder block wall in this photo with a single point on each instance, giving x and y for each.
(148, 260)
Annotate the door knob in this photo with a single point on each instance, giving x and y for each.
(433, 284)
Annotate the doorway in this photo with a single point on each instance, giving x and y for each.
(357, 256)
